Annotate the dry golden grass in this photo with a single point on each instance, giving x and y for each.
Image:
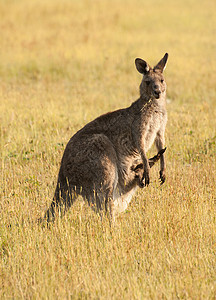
(62, 64)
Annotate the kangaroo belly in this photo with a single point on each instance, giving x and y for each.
(149, 140)
(151, 131)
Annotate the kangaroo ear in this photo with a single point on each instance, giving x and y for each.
(162, 63)
(142, 66)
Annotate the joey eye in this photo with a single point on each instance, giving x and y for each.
(147, 82)
(162, 81)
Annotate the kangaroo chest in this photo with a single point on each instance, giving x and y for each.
(152, 126)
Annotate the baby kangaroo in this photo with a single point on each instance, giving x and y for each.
(98, 160)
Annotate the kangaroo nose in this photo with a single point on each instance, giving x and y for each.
(156, 91)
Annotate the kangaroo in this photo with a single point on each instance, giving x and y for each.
(100, 160)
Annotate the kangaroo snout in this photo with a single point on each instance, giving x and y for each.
(157, 94)
(156, 91)
(156, 87)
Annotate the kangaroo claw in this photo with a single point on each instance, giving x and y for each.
(162, 177)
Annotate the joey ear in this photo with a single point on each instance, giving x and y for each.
(142, 66)
(162, 63)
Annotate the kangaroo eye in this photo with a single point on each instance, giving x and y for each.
(147, 82)
(162, 80)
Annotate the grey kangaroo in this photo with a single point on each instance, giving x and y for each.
(106, 160)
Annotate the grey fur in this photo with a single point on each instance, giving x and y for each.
(99, 161)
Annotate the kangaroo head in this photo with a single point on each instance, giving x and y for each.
(153, 84)
(138, 174)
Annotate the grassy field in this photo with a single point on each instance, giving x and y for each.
(62, 64)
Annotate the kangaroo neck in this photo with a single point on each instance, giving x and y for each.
(141, 104)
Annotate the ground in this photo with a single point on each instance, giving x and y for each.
(63, 63)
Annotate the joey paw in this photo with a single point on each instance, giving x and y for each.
(146, 179)
(162, 177)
